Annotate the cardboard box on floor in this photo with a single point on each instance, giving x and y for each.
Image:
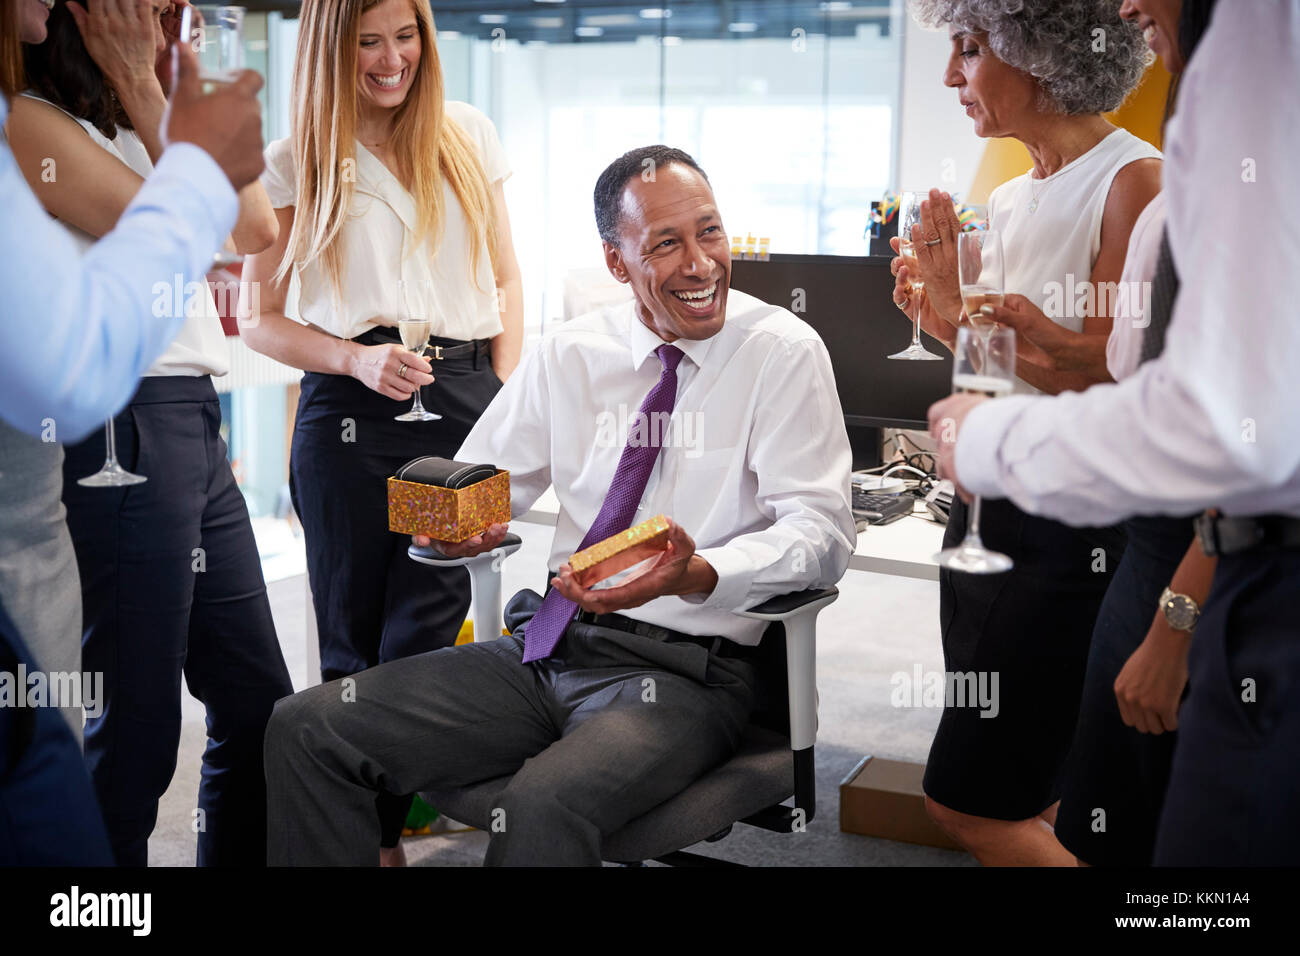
(883, 798)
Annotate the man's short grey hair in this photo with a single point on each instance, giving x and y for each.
(1085, 58)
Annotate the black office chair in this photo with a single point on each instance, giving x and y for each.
(773, 763)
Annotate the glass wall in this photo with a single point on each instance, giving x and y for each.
(791, 108)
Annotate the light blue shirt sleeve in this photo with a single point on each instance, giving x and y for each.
(79, 331)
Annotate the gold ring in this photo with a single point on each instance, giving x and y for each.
(933, 242)
(401, 372)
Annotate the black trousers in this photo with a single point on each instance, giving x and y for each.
(1235, 785)
(1112, 767)
(172, 584)
(373, 603)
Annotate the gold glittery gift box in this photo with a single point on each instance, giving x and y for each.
(448, 514)
(620, 551)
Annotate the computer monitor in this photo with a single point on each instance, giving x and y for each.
(848, 300)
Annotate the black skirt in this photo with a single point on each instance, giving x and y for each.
(1025, 634)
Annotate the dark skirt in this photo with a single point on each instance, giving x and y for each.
(1116, 777)
(1025, 633)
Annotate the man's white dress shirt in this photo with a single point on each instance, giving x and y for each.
(77, 331)
(754, 463)
(1215, 420)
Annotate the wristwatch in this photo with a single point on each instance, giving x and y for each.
(1181, 612)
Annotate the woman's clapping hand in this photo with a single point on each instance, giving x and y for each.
(123, 37)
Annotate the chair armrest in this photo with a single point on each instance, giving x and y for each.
(484, 580)
(785, 606)
(798, 612)
(428, 554)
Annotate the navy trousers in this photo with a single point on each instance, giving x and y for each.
(1234, 788)
(48, 815)
(171, 586)
(1112, 767)
(373, 603)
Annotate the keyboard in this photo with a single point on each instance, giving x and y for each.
(875, 508)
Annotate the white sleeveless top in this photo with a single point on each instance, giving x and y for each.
(1051, 251)
(200, 346)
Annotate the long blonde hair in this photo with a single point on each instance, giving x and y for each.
(428, 145)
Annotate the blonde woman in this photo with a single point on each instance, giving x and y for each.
(389, 201)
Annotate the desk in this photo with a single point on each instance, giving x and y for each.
(905, 548)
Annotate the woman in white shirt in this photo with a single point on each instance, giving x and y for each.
(171, 582)
(390, 204)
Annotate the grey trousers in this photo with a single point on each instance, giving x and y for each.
(39, 583)
(609, 727)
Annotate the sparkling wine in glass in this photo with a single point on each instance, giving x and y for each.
(981, 270)
(909, 214)
(415, 337)
(112, 474)
(217, 35)
(988, 371)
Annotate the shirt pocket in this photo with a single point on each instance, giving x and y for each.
(706, 497)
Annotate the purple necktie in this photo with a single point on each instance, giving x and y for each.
(546, 628)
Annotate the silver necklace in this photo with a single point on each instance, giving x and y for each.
(1033, 201)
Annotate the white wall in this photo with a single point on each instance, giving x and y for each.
(937, 146)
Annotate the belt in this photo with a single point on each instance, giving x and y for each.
(1222, 535)
(441, 349)
(475, 348)
(721, 646)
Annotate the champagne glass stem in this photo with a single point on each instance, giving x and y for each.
(973, 523)
(111, 431)
(418, 407)
(916, 326)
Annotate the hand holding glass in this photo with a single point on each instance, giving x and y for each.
(981, 272)
(989, 371)
(415, 336)
(909, 214)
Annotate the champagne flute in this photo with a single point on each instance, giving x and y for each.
(909, 214)
(112, 474)
(981, 270)
(217, 35)
(414, 324)
(990, 371)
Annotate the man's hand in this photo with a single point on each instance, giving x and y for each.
(679, 570)
(946, 417)
(479, 544)
(226, 124)
(1151, 683)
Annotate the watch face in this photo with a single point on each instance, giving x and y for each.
(1180, 612)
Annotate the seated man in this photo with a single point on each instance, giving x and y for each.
(602, 716)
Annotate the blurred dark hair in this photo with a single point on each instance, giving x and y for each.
(11, 57)
(63, 72)
(1193, 21)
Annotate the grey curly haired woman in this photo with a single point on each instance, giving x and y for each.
(1041, 72)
